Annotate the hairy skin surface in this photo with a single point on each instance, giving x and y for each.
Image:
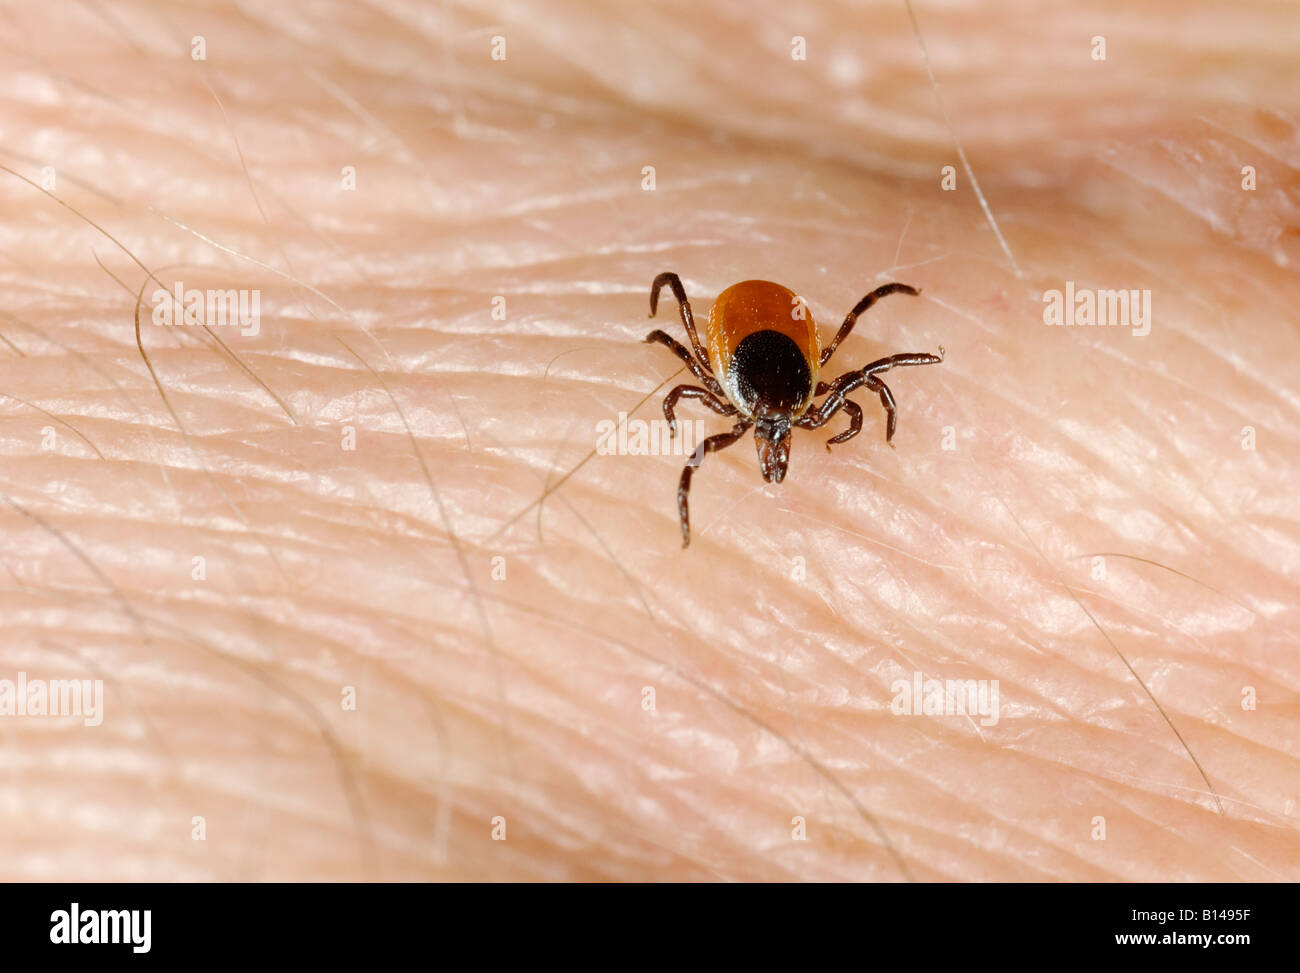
(772, 643)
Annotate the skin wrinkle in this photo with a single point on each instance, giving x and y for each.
(521, 178)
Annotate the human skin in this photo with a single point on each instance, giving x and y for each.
(1102, 522)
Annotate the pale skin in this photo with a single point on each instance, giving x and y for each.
(286, 573)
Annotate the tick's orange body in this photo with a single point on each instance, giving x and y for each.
(744, 310)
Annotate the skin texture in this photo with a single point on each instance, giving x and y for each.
(1123, 750)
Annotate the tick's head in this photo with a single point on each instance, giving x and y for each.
(772, 436)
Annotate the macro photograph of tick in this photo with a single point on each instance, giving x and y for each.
(762, 364)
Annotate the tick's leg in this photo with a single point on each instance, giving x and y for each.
(907, 358)
(887, 400)
(851, 381)
(817, 417)
(678, 349)
(688, 319)
(855, 424)
(711, 445)
(882, 291)
(693, 392)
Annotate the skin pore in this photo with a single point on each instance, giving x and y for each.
(364, 594)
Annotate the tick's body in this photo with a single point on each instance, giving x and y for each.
(764, 349)
(762, 364)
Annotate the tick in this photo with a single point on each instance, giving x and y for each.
(762, 364)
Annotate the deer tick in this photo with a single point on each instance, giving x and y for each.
(762, 365)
